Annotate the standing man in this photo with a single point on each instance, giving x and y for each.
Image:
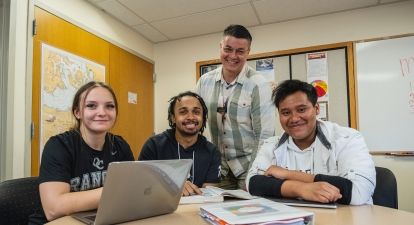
(313, 160)
(187, 115)
(239, 101)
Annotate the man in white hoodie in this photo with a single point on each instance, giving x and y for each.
(313, 160)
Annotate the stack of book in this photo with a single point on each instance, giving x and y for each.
(215, 194)
(256, 211)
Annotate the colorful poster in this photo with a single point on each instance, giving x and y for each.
(317, 74)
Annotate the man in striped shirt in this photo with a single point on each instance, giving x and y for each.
(241, 113)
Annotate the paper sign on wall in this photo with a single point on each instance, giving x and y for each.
(317, 73)
(132, 97)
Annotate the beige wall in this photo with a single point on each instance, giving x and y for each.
(402, 167)
(175, 61)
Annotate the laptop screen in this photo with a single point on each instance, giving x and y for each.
(140, 189)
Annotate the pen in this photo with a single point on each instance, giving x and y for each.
(261, 171)
(400, 153)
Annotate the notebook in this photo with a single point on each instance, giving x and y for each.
(139, 189)
(304, 203)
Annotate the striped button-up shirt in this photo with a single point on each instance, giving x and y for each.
(248, 120)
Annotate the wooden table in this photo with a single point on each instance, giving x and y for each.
(343, 215)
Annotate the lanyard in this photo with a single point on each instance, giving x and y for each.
(179, 157)
(224, 100)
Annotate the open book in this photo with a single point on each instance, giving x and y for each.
(215, 194)
(255, 211)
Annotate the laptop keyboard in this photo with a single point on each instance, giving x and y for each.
(91, 217)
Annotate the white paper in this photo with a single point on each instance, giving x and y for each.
(323, 111)
(132, 97)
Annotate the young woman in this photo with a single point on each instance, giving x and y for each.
(74, 163)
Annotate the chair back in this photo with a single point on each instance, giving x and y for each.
(19, 198)
(385, 193)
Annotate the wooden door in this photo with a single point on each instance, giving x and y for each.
(129, 73)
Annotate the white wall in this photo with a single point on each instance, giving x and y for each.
(175, 61)
(16, 132)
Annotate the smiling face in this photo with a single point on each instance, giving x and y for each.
(297, 116)
(233, 54)
(188, 116)
(97, 111)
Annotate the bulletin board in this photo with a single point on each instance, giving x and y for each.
(292, 64)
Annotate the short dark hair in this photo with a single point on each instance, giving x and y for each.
(178, 97)
(289, 87)
(238, 31)
(83, 92)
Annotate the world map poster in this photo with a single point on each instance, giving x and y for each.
(62, 74)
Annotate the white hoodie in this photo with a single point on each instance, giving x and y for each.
(337, 151)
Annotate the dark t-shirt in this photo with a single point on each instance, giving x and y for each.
(206, 161)
(67, 158)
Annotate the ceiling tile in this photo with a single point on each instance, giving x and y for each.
(271, 11)
(155, 10)
(164, 20)
(207, 22)
(150, 33)
(120, 12)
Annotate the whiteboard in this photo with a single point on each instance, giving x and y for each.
(385, 87)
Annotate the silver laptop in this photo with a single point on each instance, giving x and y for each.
(139, 189)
